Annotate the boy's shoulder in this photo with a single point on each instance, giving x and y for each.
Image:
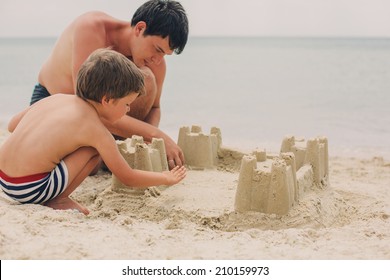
(74, 111)
(61, 98)
(64, 103)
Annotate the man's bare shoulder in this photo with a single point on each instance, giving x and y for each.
(94, 18)
(91, 20)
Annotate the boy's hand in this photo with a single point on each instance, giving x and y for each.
(174, 176)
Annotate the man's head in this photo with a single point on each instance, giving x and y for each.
(164, 18)
(107, 73)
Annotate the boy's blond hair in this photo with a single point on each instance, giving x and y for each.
(110, 74)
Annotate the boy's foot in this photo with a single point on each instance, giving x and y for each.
(65, 204)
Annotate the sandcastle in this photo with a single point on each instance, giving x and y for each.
(272, 184)
(267, 183)
(148, 157)
(200, 150)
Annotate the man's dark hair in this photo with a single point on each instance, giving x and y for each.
(164, 18)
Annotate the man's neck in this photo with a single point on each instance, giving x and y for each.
(118, 38)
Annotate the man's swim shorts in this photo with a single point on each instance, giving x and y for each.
(37, 188)
(39, 93)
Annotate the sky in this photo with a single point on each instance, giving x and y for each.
(302, 18)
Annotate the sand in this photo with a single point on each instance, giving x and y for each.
(195, 219)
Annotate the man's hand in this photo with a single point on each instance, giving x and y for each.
(175, 155)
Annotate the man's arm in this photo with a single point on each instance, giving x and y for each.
(127, 127)
(174, 153)
(154, 116)
(159, 72)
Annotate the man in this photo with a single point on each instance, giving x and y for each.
(158, 28)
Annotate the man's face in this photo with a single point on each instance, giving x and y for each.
(148, 50)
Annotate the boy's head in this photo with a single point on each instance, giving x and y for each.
(107, 73)
(164, 18)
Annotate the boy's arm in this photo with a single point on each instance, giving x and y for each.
(108, 150)
(13, 123)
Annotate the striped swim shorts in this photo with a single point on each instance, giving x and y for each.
(37, 188)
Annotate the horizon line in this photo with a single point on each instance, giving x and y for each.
(232, 36)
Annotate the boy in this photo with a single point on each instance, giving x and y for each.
(158, 28)
(59, 139)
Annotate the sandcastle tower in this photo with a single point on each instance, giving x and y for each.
(313, 152)
(151, 157)
(200, 150)
(272, 184)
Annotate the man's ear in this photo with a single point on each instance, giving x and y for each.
(140, 28)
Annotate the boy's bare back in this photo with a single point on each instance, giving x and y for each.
(49, 131)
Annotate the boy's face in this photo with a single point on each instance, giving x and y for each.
(149, 49)
(117, 108)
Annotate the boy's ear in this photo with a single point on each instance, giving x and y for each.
(105, 100)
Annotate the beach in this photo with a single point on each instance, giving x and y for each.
(337, 88)
(196, 219)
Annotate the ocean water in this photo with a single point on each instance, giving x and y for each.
(256, 90)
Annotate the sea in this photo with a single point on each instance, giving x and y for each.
(256, 90)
